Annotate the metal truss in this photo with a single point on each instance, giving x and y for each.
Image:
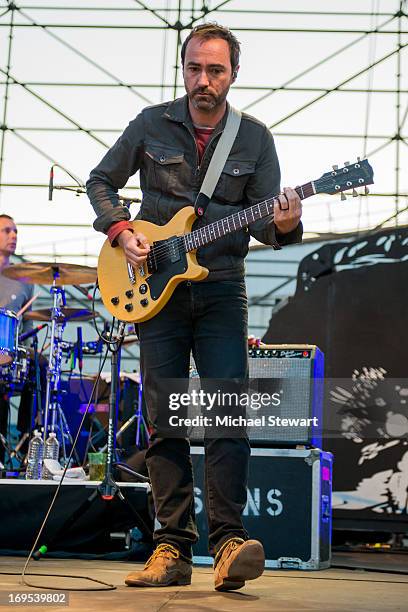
(177, 18)
(174, 18)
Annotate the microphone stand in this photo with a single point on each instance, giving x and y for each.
(108, 487)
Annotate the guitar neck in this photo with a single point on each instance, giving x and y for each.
(239, 220)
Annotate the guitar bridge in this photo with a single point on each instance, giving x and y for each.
(131, 274)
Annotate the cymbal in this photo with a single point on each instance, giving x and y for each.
(68, 314)
(38, 273)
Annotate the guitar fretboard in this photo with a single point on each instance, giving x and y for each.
(237, 221)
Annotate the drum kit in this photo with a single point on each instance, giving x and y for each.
(19, 365)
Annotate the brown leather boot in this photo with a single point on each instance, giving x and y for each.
(237, 561)
(163, 568)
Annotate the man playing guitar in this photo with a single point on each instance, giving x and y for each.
(171, 145)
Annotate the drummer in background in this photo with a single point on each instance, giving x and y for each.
(13, 296)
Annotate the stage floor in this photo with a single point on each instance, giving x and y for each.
(329, 590)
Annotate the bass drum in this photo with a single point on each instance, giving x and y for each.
(8, 336)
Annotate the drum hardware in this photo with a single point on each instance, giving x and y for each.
(52, 403)
(48, 273)
(15, 374)
(36, 414)
(53, 407)
(67, 314)
(23, 370)
(8, 450)
(107, 490)
(8, 336)
(15, 360)
(136, 378)
(16, 451)
(88, 348)
(140, 420)
(13, 453)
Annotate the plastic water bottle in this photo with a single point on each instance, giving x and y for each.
(35, 457)
(51, 451)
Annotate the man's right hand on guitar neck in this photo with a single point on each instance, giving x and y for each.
(134, 245)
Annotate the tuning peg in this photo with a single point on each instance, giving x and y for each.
(343, 196)
(347, 163)
(355, 194)
(335, 167)
(366, 190)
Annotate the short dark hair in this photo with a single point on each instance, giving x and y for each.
(207, 31)
(4, 216)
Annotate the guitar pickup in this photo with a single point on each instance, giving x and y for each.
(174, 252)
(163, 254)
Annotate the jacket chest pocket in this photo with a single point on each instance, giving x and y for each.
(164, 166)
(233, 180)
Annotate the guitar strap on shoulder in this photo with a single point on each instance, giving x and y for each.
(218, 160)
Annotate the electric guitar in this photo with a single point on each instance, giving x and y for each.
(136, 294)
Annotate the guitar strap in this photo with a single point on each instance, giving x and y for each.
(218, 160)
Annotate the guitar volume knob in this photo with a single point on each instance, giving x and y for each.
(115, 301)
(144, 302)
(129, 307)
(129, 293)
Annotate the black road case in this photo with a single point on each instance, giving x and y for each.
(288, 507)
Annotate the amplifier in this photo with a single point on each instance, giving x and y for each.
(296, 373)
(289, 379)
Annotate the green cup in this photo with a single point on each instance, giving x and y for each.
(97, 465)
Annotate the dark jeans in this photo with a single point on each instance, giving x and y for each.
(209, 319)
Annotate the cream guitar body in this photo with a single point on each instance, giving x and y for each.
(135, 294)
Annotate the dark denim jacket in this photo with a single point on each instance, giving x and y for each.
(160, 143)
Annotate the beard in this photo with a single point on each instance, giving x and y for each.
(204, 101)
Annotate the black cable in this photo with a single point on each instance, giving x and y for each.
(271, 575)
(101, 336)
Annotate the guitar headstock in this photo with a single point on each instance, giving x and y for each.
(351, 176)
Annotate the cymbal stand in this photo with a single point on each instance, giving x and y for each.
(55, 357)
(52, 400)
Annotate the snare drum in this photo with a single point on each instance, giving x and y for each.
(8, 336)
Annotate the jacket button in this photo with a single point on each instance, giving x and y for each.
(162, 159)
(236, 170)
